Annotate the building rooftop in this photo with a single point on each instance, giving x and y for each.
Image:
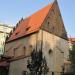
(4, 28)
(5, 25)
(72, 39)
(31, 24)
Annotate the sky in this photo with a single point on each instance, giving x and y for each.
(11, 11)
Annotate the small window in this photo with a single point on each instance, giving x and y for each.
(15, 51)
(48, 17)
(50, 51)
(27, 28)
(6, 51)
(48, 23)
(24, 48)
(16, 33)
(30, 46)
(52, 73)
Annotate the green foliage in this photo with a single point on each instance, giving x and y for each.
(72, 56)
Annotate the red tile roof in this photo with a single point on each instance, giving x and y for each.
(72, 39)
(31, 24)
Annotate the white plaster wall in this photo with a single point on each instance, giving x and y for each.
(3, 34)
(5, 29)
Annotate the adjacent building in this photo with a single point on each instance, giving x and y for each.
(45, 26)
(71, 45)
(4, 32)
(72, 40)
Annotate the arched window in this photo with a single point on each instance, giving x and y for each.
(50, 51)
(24, 50)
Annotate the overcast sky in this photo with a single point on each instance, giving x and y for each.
(11, 11)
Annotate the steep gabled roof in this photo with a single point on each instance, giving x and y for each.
(31, 24)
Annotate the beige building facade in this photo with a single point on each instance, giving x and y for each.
(55, 59)
(51, 33)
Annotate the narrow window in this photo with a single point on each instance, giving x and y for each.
(48, 24)
(52, 73)
(14, 52)
(24, 50)
(50, 51)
